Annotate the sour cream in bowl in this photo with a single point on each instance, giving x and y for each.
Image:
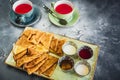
(69, 48)
(82, 68)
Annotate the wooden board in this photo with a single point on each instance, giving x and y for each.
(58, 73)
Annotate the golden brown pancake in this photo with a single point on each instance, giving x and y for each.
(59, 47)
(32, 32)
(27, 32)
(38, 36)
(36, 61)
(53, 45)
(18, 49)
(21, 54)
(23, 41)
(26, 59)
(36, 67)
(50, 71)
(31, 50)
(46, 40)
(50, 61)
(32, 39)
(41, 48)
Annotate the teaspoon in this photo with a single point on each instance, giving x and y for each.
(61, 21)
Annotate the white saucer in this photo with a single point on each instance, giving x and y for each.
(70, 23)
(37, 15)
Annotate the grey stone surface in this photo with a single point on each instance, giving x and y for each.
(99, 23)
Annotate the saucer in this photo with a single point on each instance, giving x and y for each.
(37, 15)
(70, 23)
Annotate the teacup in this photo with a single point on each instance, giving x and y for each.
(23, 10)
(63, 9)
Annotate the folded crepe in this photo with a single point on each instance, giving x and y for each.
(53, 45)
(35, 38)
(21, 54)
(59, 51)
(32, 32)
(18, 49)
(32, 39)
(23, 41)
(27, 58)
(46, 39)
(38, 36)
(50, 62)
(36, 61)
(36, 67)
(31, 50)
(27, 32)
(50, 71)
(41, 48)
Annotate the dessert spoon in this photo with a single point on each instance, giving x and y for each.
(60, 20)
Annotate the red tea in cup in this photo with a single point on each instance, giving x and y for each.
(23, 8)
(24, 11)
(85, 52)
(63, 9)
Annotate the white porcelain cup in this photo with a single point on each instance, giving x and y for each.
(63, 9)
(25, 16)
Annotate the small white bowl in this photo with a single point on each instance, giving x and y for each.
(69, 48)
(82, 68)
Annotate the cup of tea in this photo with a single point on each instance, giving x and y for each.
(63, 9)
(23, 10)
(85, 52)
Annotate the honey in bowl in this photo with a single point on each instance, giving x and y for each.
(66, 63)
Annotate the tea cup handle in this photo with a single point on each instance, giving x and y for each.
(20, 19)
(11, 2)
(23, 19)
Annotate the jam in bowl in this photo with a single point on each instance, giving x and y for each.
(85, 52)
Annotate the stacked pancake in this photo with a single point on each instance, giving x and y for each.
(31, 51)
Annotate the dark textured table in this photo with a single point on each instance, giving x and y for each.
(99, 23)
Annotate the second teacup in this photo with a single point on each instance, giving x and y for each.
(64, 9)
